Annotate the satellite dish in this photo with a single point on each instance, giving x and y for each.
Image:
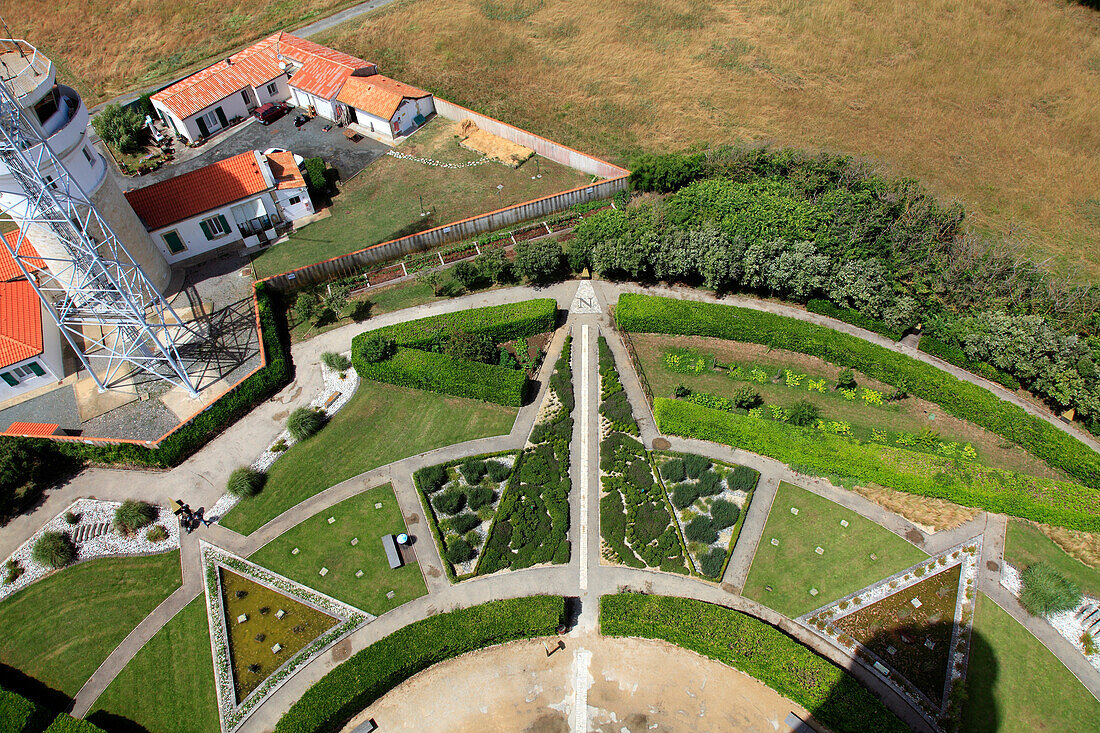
(282, 65)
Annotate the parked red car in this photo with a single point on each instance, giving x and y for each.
(268, 113)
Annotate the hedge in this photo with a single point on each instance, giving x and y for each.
(229, 408)
(955, 355)
(499, 322)
(386, 663)
(1041, 500)
(447, 375)
(21, 715)
(828, 692)
(967, 401)
(854, 317)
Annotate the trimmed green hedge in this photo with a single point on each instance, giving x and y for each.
(499, 322)
(447, 375)
(388, 662)
(955, 355)
(829, 693)
(20, 715)
(68, 724)
(854, 317)
(652, 314)
(1041, 500)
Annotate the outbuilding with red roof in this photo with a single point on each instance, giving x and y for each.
(30, 342)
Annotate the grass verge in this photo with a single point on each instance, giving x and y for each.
(1026, 545)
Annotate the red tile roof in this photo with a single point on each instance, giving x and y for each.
(32, 429)
(20, 310)
(200, 190)
(285, 171)
(379, 95)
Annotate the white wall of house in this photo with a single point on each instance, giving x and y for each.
(406, 113)
(305, 99)
(194, 239)
(49, 362)
(281, 93)
(374, 123)
(231, 106)
(293, 203)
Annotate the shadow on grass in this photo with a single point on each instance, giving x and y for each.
(111, 723)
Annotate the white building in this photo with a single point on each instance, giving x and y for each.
(30, 342)
(287, 68)
(232, 205)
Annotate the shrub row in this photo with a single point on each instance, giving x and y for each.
(499, 322)
(20, 715)
(967, 401)
(1040, 500)
(955, 355)
(854, 317)
(832, 696)
(447, 375)
(369, 674)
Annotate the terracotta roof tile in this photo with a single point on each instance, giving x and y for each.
(20, 311)
(32, 429)
(8, 269)
(379, 95)
(200, 190)
(285, 171)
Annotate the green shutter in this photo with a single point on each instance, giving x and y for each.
(225, 224)
(10, 379)
(38, 371)
(206, 230)
(175, 244)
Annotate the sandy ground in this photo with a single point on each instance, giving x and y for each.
(634, 686)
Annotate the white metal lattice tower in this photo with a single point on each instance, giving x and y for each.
(103, 303)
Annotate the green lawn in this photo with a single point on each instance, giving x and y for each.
(1015, 684)
(1026, 545)
(381, 424)
(383, 202)
(61, 628)
(321, 544)
(177, 666)
(793, 568)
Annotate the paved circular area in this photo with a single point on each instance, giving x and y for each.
(635, 686)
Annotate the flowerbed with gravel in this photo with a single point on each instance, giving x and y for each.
(1073, 625)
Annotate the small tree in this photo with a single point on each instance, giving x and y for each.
(245, 481)
(121, 127)
(315, 175)
(493, 265)
(304, 422)
(701, 529)
(746, 398)
(539, 260)
(1046, 591)
(467, 274)
(459, 551)
(433, 280)
(54, 550)
(308, 304)
(803, 413)
(132, 515)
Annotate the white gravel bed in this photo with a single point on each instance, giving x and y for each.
(345, 388)
(1066, 623)
(91, 512)
(465, 568)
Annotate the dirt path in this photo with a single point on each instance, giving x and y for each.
(635, 685)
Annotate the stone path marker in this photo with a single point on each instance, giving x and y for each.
(775, 542)
(843, 522)
(354, 541)
(874, 556)
(916, 603)
(324, 572)
(813, 591)
(242, 618)
(358, 573)
(276, 649)
(331, 520)
(280, 613)
(819, 551)
(391, 595)
(378, 505)
(585, 300)
(794, 510)
(294, 551)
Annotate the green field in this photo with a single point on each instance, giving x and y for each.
(177, 665)
(60, 629)
(383, 202)
(1026, 545)
(1015, 684)
(793, 568)
(321, 544)
(379, 425)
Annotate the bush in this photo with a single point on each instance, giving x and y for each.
(664, 173)
(304, 423)
(746, 398)
(450, 501)
(651, 314)
(472, 470)
(372, 672)
(709, 484)
(432, 478)
(539, 260)
(695, 465)
(335, 362)
(375, 348)
(245, 481)
(315, 175)
(463, 523)
(1046, 501)
(472, 347)
(467, 274)
(684, 495)
(71, 518)
(837, 700)
(846, 379)
(803, 413)
(445, 374)
(742, 478)
(459, 551)
(955, 355)
(712, 562)
(825, 308)
(479, 496)
(156, 533)
(497, 471)
(54, 550)
(701, 529)
(121, 127)
(1046, 591)
(673, 470)
(132, 515)
(724, 513)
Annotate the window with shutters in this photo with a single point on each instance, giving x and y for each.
(10, 379)
(214, 227)
(173, 241)
(272, 89)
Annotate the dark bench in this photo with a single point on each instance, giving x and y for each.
(393, 554)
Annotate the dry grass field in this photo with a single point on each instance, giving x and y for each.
(994, 102)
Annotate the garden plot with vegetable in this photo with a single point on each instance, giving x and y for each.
(461, 499)
(711, 499)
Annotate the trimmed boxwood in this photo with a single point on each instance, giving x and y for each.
(499, 322)
(1041, 500)
(831, 695)
(653, 314)
(445, 374)
(376, 670)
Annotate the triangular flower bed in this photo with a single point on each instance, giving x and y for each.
(913, 628)
(263, 626)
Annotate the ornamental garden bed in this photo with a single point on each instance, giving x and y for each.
(461, 499)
